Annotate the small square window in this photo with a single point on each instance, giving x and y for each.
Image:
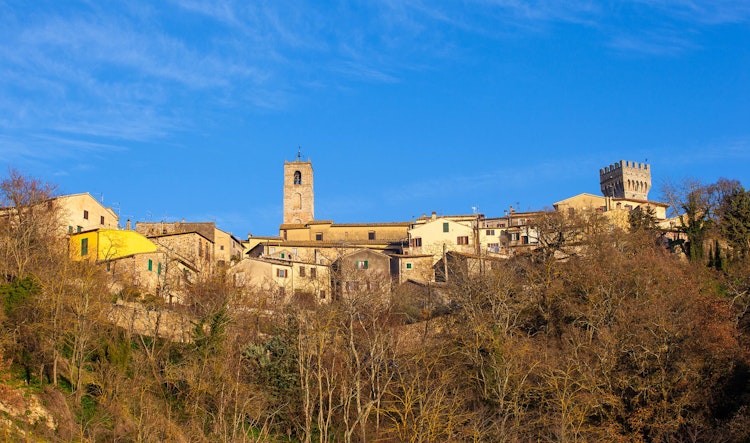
(281, 273)
(361, 264)
(408, 266)
(490, 232)
(221, 248)
(371, 235)
(319, 236)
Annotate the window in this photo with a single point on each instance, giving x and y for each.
(84, 246)
(514, 236)
(79, 228)
(446, 227)
(525, 240)
(297, 178)
(408, 266)
(301, 271)
(323, 294)
(319, 236)
(158, 269)
(490, 232)
(101, 220)
(371, 235)
(70, 229)
(493, 247)
(313, 272)
(283, 255)
(271, 250)
(463, 240)
(85, 214)
(221, 248)
(150, 265)
(416, 242)
(361, 264)
(281, 273)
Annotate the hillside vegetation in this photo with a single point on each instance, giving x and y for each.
(625, 339)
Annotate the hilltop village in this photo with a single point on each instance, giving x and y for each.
(312, 260)
(581, 323)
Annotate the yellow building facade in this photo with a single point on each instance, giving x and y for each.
(108, 244)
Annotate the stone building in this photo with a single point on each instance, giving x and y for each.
(82, 212)
(284, 280)
(226, 248)
(299, 197)
(626, 179)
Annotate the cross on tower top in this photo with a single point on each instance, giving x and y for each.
(299, 154)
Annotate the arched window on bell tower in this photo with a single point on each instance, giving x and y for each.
(297, 178)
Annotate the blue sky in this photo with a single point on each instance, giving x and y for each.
(187, 109)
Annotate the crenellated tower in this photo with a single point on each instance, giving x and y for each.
(299, 198)
(626, 179)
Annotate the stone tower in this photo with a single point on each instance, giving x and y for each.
(299, 199)
(625, 179)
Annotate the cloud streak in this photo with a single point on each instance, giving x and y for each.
(128, 73)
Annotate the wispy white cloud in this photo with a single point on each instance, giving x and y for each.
(134, 72)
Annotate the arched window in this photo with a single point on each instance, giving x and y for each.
(297, 201)
(297, 178)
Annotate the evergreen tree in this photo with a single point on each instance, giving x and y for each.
(734, 222)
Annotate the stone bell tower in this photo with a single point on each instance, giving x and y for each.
(626, 179)
(299, 198)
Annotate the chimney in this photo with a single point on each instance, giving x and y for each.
(127, 225)
(434, 215)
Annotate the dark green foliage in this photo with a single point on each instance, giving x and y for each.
(642, 218)
(18, 293)
(734, 222)
(695, 223)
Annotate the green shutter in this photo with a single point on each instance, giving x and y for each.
(445, 226)
(150, 265)
(84, 246)
(158, 269)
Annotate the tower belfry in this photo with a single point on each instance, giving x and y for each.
(299, 198)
